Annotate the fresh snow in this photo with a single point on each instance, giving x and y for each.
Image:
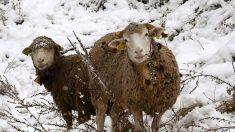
(204, 42)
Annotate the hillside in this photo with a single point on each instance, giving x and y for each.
(202, 37)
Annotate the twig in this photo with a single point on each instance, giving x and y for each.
(67, 50)
(100, 4)
(220, 128)
(219, 120)
(81, 44)
(32, 115)
(13, 94)
(57, 125)
(165, 42)
(200, 44)
(197, 84)
(90, 127)
(89, 47)
(17, 128)
(208, 97)
(91, 68)
(190, 77)
(10, 65)
(233, 67)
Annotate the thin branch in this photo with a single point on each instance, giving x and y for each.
(32, 115)
(90, 127)
(13, 94)
(208, 97)
(67, 50)
(199, 43)
(233, 67)
(197, 84)
(15, 127)
(81, 44)
(91, 69)
(57, 125)
(220, 128)
(165, 42)
(192, 75)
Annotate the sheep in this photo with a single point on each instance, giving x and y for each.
(143, 76)
(65, 77)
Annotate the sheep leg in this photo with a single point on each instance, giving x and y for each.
(67, 115)
(119, 121)
(115, 118)
(100, 116)
(156, 123)
(138, 118)
(81, 119)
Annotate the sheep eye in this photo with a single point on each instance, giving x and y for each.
(147, 34)
(125, 40)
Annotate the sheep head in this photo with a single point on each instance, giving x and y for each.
(43, 51)
(137, 39)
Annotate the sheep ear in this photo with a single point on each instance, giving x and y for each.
(26, 51)
(116, 43)
(156, 32)
(58, 47)
(149, 26)
(118, 34)
(164, 34)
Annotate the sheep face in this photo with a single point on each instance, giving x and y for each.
(138, 45)
(43, 58)
(137, 39)
(43, 51)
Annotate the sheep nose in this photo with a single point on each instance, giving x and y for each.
(139, 51)
(40, 60)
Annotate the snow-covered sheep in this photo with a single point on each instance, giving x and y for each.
(65, 77)
(143, 76)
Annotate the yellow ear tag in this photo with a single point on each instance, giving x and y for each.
(157, 37)
(121, 47)
(26, 51)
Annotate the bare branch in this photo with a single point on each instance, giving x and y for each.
(67, 50)
(233, 67)
(91, 69)
(192, 75)
(81, 44)
(21, 104)
(208, 97)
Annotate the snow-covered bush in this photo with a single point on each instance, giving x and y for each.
(11, 9)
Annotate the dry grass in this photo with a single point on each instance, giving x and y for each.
(227, 106)
(184, 111)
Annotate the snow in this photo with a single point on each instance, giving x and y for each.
(204, 42)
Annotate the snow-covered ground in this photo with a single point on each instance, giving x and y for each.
(202, 37)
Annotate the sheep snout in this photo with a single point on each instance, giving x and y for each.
(43, 58)
(40, 60)
(139, 51)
